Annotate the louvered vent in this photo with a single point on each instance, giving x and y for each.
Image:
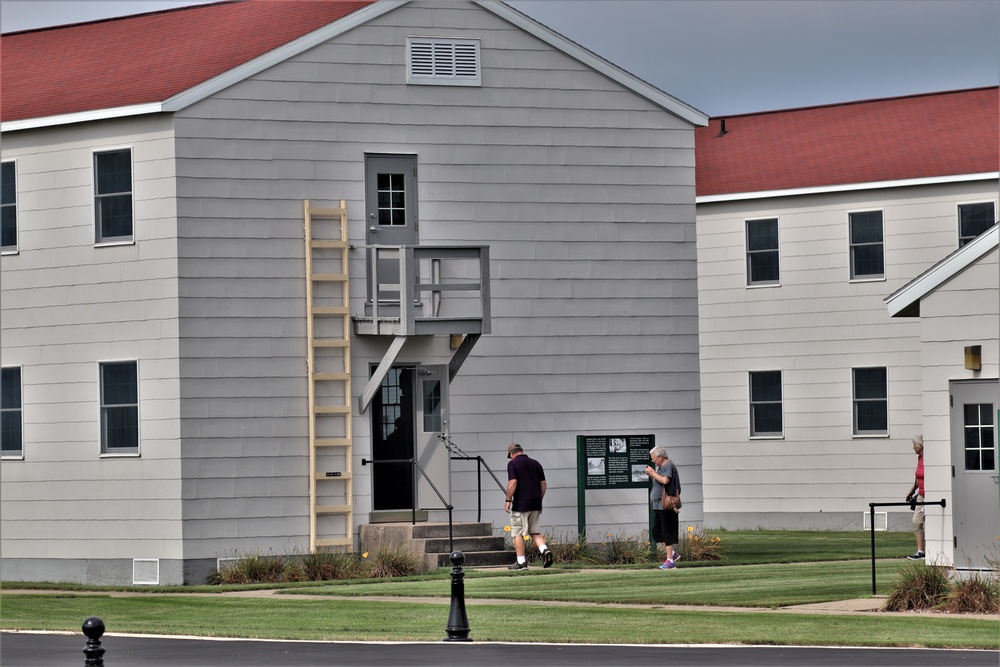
(146, 571)
(448, 62)
(881, 521)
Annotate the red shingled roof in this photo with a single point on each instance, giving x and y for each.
(148, 57)
(919, 136)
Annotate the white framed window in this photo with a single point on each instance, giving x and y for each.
(119, 382)
(765, 404)
(867, 238)
(443, 62)
(974, 219)
(762, 252)
(871, 401)
(113, 196)
(11, 414)
(8, 207)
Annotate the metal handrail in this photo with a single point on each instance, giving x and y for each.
(871, 508)
(413, 494)
(459, 455)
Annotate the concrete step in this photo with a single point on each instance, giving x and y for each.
(494, 558)
(459, 529)
(463, 544)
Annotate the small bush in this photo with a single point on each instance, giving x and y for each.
(627, 550)
(977, 595)
(918, 586)
(252, 569)
(331, 565)
(696, 544)
(569, 548)
(391, 561)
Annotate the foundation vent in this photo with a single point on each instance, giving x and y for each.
(881, 521)
(146, 571)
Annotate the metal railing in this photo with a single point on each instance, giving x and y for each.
(871, 508)
(458, 455)
(416, 467)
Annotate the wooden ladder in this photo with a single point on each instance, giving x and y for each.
(328, 327)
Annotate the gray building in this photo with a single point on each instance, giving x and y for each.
(253, 251)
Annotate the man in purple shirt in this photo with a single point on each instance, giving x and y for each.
(525, 490)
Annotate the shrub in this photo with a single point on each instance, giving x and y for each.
(569, 548)
(918, 586)
(330, 565)
(695, 544)
(252, 569)
(978, 595)
(391, 561)
(622, 550)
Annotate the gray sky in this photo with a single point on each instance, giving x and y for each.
(732, 56)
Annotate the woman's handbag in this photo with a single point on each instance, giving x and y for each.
(670, 502)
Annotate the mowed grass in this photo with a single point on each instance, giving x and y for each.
(358, 619)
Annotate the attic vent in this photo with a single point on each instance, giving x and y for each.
(146, 571)
(881, 521)
(443, 62)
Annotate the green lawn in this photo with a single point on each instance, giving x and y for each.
(802, 567)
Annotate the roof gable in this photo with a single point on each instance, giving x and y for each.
(895, 139)
(905, 302)
(164, 61)
(148, 57)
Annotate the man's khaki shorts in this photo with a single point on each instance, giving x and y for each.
(526, 523)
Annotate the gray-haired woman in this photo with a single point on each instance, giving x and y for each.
(663, 472)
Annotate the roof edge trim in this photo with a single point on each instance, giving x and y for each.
(204, 89)
(912, 292)
(658, 97)
(81, 117)
(822, 189)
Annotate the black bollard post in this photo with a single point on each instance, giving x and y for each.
(93, 627)
(458, 622)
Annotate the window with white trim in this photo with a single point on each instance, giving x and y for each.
(443, 62)
(113, 196)
(119, 407)
(762, 252)
(765, 403)
(871, 401)
(8, 207)
(973, 220)
(11, 423)
(867, 245)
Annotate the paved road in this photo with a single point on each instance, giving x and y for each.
(49, 650)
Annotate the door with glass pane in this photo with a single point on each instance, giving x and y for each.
(976, 491)
(431, 422)
(391, 217)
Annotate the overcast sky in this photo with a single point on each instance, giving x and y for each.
(732, 56)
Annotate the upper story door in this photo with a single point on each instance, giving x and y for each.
(391, 214)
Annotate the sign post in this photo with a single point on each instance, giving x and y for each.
(609, 462)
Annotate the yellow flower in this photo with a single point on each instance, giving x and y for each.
(506, 529)
(690, 528)
(695, 538)
(364, 555)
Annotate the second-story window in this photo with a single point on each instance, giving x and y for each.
(8, 207)
(762, 252)
(113, 196)
(973, 220)
(867, 245)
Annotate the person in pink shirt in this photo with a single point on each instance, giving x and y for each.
(916, 494)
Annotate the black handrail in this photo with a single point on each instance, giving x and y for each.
(459, 455)
(871, 508)
(413, 494)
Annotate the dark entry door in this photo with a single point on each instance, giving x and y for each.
(392, 439)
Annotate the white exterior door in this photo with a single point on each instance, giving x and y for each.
(430, 422)
(975, 486)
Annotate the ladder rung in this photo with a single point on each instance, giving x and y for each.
(332, 409)
(331, 376)
(335, 542)
(333, 442)
(330, 277)
(328, 211)
(328, 244)
(333, 509)
(322, 477)
(330, 342)
(330, 310)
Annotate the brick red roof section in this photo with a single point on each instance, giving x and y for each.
(147, 57)
(919, 136)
